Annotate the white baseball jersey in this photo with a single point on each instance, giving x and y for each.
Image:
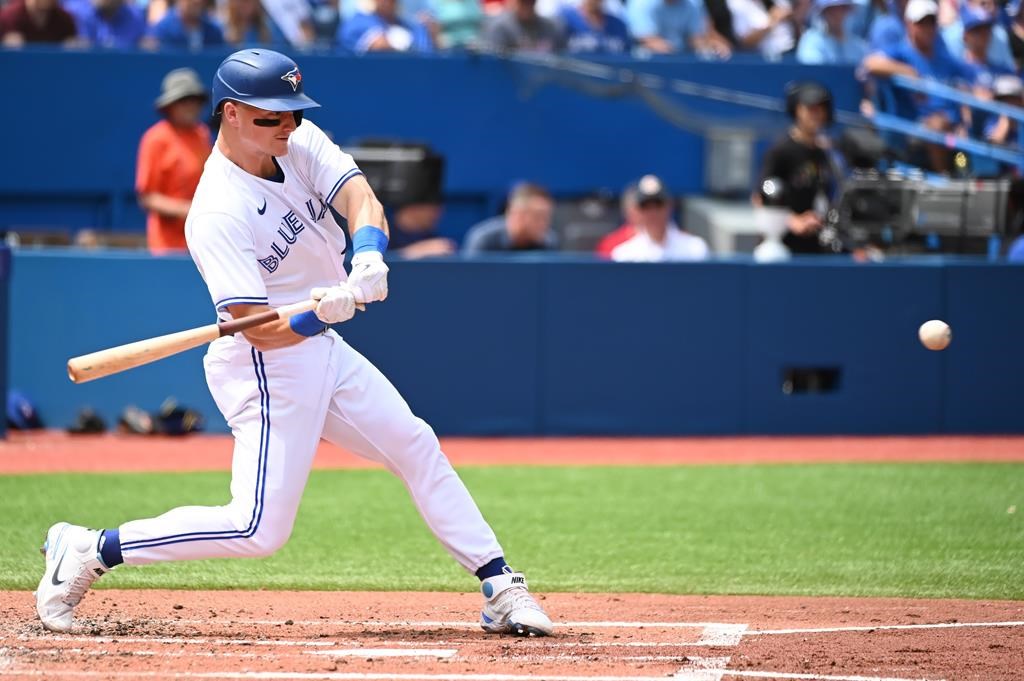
(264, 242)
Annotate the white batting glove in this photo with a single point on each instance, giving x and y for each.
(337, 303)
(369, 277)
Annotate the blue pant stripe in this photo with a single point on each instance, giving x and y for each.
(261, 478)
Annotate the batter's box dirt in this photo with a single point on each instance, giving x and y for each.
(434, 636)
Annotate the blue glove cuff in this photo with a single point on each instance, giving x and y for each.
(369, 238)
(306, 324)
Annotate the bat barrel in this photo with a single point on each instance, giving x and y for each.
(113, 360)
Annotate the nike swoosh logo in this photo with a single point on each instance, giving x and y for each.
(58, 582)
(263, 210)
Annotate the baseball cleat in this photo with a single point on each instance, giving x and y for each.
(510, 609)
(72, 565)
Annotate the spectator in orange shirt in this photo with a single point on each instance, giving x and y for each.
(624, 233)
(171, 158)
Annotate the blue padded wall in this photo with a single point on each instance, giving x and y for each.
(530, 346)
(861, 319)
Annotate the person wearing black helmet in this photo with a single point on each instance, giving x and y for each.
(800, 160)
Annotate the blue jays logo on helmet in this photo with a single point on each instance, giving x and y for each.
(293, 78)
(254, 77)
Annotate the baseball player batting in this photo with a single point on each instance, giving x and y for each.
(262, 236)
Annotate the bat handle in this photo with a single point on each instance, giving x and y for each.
(284, 312)
(233, 326)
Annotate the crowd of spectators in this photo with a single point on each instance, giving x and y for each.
(986, 35)
(975, 45)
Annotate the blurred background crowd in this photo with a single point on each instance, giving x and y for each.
(984, 34)
(973, 46)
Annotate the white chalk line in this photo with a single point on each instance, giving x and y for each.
(714, 634)
(440, 653)
(724, 635)
(409, 652)
(887, 627)
(456, 624)
(370, 676)
(55, 652)
(727, 631)
(178, 640)
(524, 644)
(749, 673)
(703, 669)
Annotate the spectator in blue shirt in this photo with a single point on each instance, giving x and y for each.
(384, 31)
(187, 26)
(827, 41)
(999, 52)
(922, 54)
(667, 26)
(888, 30)
(977, 38)
(863, 16)
(113, 23)
(589, 28)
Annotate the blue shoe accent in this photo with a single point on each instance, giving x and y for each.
(486, 619)
(488, 589)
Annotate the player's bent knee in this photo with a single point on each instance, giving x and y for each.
(266, 542)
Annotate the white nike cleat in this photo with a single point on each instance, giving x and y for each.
(72, 565)
(510, 609)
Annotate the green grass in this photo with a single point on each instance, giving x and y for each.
(933, 530)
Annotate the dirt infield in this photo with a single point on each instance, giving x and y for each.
(51, 451)
(432, 636)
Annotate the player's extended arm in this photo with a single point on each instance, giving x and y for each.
(337, 304)
(369, 276)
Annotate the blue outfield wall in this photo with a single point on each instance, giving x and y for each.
(533, 346)
(72, 161)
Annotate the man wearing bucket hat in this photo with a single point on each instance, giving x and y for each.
(171, 158)
(827, 41)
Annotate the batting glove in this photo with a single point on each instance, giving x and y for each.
(369, 277)
(337, 303)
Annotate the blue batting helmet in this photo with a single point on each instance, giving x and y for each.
(262, 78)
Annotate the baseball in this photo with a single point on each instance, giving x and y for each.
(935, 334)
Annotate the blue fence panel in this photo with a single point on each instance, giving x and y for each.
(460, 342)
(64, 305)
(859, 319)
(534, 346)
(641, 349)
(984, 365)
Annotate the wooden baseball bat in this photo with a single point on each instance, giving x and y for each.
(114, 360)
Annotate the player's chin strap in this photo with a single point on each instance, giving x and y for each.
(274, 122)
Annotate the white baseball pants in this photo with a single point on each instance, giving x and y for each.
(279, 404)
